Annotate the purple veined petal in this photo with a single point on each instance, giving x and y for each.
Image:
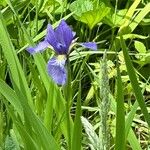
(56, 69)
(51, 38)
(90, 45)
(40, 47)
(64, 35)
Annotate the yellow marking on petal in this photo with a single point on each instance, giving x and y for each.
(61, 57)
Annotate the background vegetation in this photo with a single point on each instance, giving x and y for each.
(104, 105)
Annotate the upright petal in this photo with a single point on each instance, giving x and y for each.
(64, 35)
(40, 47)
(56, 69)
(90, 45)
(51, 38)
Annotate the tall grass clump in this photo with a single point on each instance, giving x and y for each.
(74, 75)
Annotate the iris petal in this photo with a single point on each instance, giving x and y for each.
(64, 35)
(52, 39)
(40, 47)
(56, 69)
(90, 45)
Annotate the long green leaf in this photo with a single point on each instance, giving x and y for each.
(17, 75)
(134, 81)
(43, 136)
(140, 17)
(76, 138)
(120, 118)
(11, 96)
(135, 145)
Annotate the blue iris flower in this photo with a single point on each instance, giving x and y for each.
(60, 39)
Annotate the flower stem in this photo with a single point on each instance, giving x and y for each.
(68, 97)
(104, 105)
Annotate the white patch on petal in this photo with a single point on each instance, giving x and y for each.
(61, 59)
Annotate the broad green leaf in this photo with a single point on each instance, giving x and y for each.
(93, 17)
(140, 47)
(50, 6)
(81, 6)
(91, 135)
(89, 12)
(115, 19)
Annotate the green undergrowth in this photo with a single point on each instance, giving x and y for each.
(105, 102)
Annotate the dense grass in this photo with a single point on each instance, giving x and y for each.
(105, 103)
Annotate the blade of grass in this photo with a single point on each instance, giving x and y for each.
(134, 81)
(8, 14)
(132, 113)
(135, 145)
(17, 75)
(140, 17)
(43, 136)
(68, 98)
(129, 14)
(120, 115)
(77, 131)
(130, 118)
(27, 139)
(29, 143)
(11, 97)
(49, 108)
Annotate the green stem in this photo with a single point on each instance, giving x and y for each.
(104, 106)
(68, 97)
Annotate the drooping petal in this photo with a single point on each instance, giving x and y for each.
(56, 69)
(40, 47)
(64, 35)
(90, 45)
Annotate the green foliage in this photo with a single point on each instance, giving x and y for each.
(89, 12)
(94, 141)
(105, 103)
(120, 118)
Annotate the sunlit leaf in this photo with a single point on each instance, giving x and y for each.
(140, 47)
(88, 12)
